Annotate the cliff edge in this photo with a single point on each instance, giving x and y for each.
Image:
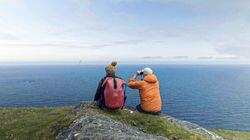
(86, 121)
(127, 124)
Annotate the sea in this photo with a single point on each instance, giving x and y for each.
(213, 96)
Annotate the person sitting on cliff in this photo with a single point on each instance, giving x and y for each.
(111, 89)
(149, 92)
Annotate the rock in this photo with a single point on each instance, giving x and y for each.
(83, 106)
(191, 127)
(97, 126)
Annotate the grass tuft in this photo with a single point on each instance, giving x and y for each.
(232, 135)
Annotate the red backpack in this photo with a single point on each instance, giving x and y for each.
(114, 92)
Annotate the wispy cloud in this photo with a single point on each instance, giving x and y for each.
(57, 44)
(219, 58)
(129, 42)
(153, 57)
(240, 50)
(206, 57)
(159, 29)
(7, 36)
(180, 57)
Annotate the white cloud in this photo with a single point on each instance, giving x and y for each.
(240, 51)
(7, 36)
(214, 29)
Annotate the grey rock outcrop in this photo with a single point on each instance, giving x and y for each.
(97, 126)
(191, 127)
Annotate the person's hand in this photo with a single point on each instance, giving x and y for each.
(138, 73)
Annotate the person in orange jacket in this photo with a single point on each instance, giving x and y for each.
(149, 91)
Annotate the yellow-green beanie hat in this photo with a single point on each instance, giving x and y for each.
(111, 69)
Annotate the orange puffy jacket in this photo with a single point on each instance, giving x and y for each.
(149, 92)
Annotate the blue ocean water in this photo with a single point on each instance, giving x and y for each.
(213, 96)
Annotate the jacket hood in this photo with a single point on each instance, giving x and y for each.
(150, 78)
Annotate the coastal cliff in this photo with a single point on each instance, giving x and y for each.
(87, 121)
(98, 124)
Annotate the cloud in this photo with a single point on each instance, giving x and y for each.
(218, 58)
(180, 57)
(7, 36)
(55, 44)
(16, 3)
(201, 4)
(240, 50)
(228, 58)
(173, 30)
(128, 42)
(123, 15)
(206, 57)
(161, 57)
(69, 44)
(153, 57)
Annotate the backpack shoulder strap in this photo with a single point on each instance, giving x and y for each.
(105, 81)
(118, 77)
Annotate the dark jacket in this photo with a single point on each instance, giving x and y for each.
(99, 95)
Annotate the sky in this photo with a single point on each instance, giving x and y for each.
(165, 31)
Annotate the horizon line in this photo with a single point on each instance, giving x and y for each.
(119, 63)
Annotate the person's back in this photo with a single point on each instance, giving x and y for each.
(149, 93)
(110, 92)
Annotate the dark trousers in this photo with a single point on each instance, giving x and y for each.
(138, 108)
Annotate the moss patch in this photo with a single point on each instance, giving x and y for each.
(232, 135)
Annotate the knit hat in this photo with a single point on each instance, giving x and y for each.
(111, 69)
(147, 71)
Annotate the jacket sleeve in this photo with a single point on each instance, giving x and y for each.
(98, 90)
(135, 84)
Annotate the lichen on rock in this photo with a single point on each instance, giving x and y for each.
(98, 126)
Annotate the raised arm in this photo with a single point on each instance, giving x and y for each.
(135, 84)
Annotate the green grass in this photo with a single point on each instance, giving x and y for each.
(233, 135)
(33, 123)
(46, 123)
(153, 125)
